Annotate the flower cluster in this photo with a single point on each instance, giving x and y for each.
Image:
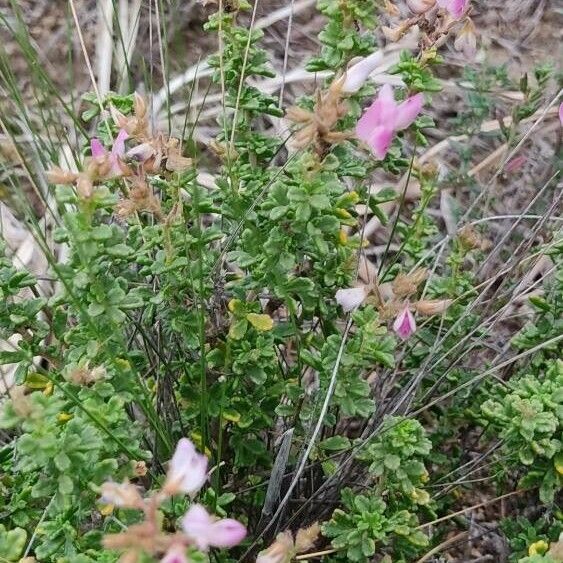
(438, 18)
(187, 473)
(399, 306)
(150, 153)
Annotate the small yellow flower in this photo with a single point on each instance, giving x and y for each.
(343, 237)
(48, 391)
(420, 497)
(64, 417)
(538, 548)
(106, 509)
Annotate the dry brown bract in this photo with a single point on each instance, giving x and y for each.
(473, 240)
(140, 199)
(317, 125)
(154, 153)
(85, 375)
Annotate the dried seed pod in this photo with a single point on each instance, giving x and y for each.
(57, 175)
(472, 239)
(432, 307)
(405, 285)
(306, 538)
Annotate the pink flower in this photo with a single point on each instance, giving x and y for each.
(117, 151)
(456, 8)
(384, 118)
(357, 74)
(176, 554)
(188, 470)
(561, 113)
(205, 531)
(351, 298)
(515, 164)
(404, 324)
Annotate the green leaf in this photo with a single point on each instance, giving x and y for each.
(65, 484)
(62, 462)
(238, 329)
(335, 443)
(392, 461)
(12, 543)
(262, 323)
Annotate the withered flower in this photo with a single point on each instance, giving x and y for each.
(317, 125)
(121, 494)
(466, 40)
(472, 239)
(285, 548)
(139, 468)
(84, 375)
(21, 403)
(140, 199)
(432, 307)
(136, 125)
(391, 9)
(405, 285)
(153, 152)
(57, 175)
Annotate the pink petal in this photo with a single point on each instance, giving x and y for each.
(408, 111)
(350, 298)
(561, 113)
(227, 533)
(197, 525)
(420, 6)
(515, 164)
(456, 8)
(176, 554)
(188, 469)
(380, 141)
(204, 532)
(118, 148)
(97, 148)
(404, 324)
(381, 112)
(357, 75)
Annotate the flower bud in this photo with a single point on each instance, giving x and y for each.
(404, 324)
(139, 106)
